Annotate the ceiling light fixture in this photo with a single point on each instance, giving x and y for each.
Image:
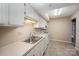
(57, 12)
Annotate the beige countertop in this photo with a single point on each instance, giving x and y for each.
(17, 48)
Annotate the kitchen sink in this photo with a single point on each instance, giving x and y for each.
(33, 39)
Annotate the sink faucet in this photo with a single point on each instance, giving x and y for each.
(31, 35)
(30, 40)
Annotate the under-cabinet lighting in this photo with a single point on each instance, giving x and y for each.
(57, 12)
(29, 21)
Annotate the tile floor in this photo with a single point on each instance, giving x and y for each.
(56, 48)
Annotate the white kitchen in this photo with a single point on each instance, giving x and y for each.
(38, 29)
(23, 32)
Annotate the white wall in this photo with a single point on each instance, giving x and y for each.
(60, 29)
(76, 15)
(9, 35)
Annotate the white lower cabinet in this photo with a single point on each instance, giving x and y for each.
(44, 44)
(42, 47)
(35, 51)
(31, 53)
(39, 49)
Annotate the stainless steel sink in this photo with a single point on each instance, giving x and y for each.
(33, 39)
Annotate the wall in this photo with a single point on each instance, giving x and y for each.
(60, 29)
(9, 35)
(76, 15)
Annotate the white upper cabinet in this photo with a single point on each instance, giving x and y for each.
(3, 13)
(1, 22)
(16, 13)
(30, 12)
(11, 14)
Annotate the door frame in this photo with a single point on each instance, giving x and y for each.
(74, 31)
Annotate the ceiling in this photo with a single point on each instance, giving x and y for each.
(65, 11)
(47, 9)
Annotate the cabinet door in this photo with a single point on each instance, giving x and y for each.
(4, 13)
(31, 53)
(47, 39)
(35, 51)
(42, 47)
(16, 13)
(1, 14)
(38, 50)
(31, 13)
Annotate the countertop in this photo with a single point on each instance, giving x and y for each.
(17, 48)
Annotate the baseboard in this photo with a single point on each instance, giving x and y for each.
(61, 41)
(77, 51)
(76, 48)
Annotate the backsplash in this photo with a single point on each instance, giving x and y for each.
(9, 35)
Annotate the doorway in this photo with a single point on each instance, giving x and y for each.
(74, 31)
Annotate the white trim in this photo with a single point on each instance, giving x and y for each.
(61, 41)
(77, 48)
